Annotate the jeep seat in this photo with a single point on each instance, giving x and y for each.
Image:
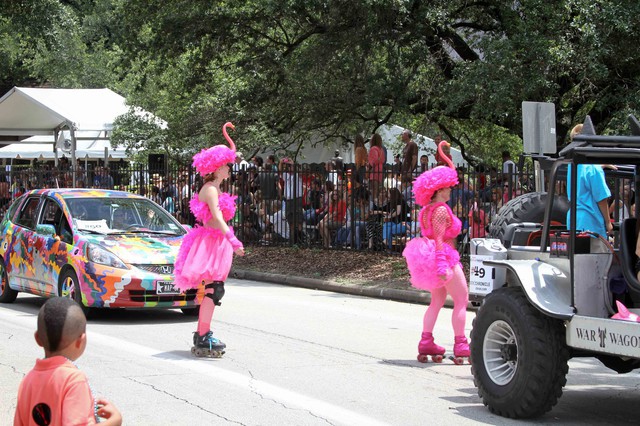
(628, 257)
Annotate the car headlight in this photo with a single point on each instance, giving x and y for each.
(103, 256)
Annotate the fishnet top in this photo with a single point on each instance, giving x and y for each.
(438, 223)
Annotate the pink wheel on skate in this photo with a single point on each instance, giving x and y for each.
(459, 360)
(423, 358)
(436, 358)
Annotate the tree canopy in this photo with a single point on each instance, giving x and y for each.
(306, 70)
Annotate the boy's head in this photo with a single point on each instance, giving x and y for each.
(61, 328)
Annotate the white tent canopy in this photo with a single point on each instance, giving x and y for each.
(62, 115)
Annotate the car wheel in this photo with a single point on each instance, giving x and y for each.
(518, 356)
(68, 286)
(7, 294)
(191, 312)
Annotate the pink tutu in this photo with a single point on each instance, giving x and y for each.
(421, 261)
(205, 255)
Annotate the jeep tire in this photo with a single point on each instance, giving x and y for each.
(528, 207)
(518, 356)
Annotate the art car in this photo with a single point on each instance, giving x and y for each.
(104, 249)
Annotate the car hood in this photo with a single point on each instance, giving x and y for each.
(140, 249)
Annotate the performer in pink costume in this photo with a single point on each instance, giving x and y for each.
(206, 252)
(434, 262)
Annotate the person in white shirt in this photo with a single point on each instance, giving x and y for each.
(241, 163)
(292, 191)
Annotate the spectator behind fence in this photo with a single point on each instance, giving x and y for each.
(395, 217)
(409, 162)
(424, 163)
(351, 232)
(275, 227)
(334, 218)
(376, 164)
(5, 192)
(619, 207)
(314, 202)
(331, 174)
(292, 190)
(461, 194)
(361, 157)
(375, 219)
(338, 162)
(477, 220)
(268, 180)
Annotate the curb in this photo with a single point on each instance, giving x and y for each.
(398, 295)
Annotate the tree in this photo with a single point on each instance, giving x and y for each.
(301, 70)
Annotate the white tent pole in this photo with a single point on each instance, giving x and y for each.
(72, 130)
(56, 134)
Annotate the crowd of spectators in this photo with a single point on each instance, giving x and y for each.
(365, 205)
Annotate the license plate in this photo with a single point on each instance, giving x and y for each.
(166, 287)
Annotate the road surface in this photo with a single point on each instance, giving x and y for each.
(295, 357)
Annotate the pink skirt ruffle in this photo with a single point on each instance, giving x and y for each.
(420, 254)
(204, 255)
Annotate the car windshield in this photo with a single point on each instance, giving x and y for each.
(121, 215)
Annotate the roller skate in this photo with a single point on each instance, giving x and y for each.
(460, 351)
(427, 347)
(207, 346)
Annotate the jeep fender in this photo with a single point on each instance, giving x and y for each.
(546, 287)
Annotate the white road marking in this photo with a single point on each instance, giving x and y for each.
(287, 397)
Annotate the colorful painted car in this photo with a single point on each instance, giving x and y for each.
(105, 249)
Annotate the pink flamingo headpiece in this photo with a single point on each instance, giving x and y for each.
(211, 159)
(435, 179)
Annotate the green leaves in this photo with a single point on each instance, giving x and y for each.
(294, 71)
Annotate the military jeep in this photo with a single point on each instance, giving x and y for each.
(547, 293)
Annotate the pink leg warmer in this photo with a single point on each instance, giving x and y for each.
(206, 313)
(457, 288)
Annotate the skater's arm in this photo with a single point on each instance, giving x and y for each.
(210, 195)
(440, 221)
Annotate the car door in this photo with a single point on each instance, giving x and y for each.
(20, 268)
(50, 251)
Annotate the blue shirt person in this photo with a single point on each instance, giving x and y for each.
(592, 210)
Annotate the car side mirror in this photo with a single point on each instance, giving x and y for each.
(46, 229)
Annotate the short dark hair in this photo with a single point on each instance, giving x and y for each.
(52, 322)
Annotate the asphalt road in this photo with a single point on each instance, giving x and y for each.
(295, 357)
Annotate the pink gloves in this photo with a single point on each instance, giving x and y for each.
(442, 266)
(235, 242)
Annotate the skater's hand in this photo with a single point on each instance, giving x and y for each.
(239, 251)
(108, 411)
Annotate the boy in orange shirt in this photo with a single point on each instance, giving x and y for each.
(56, 392)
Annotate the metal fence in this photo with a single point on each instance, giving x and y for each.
(308, 205)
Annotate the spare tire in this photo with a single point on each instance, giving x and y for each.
(528, 208)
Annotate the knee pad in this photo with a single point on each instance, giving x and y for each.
(218, 292)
